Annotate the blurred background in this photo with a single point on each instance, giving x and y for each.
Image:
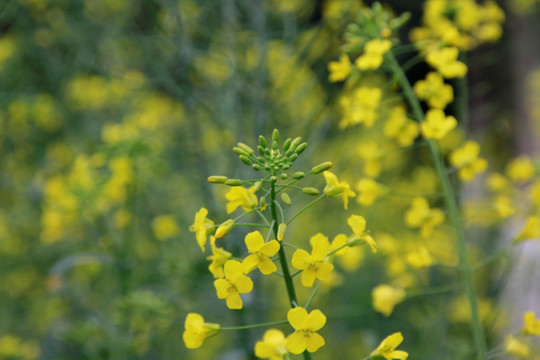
(114, 112)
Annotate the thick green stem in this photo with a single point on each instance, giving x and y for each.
(282, 259)
(453, 213)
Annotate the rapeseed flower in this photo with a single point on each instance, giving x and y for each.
(272, 346)
(339, 70)
(434, 91)
(240, 196)
(219, 257)
(445, 62)
(531, 325)
(368, 191)
(515, 347)
(520, 170)
(399, 128)
(334, 188)
(260, 253)
(466, 160)
(420, 259)
(387, 348)
(360, 107)
(196, 330)
(420, 215)
(165, 227)
(358, 226)
(305, 325)
(234, 284)
(314, 265)
(386, 297)
(437, 125)
(373, 54)
(202, 227)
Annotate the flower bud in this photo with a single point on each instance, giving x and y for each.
(224, 228)
(286, 199)
(287, 144)
(300, 149)
(257, 186)
(281, 231)
(273, 178)
(256, 167)
(215, 179)
(283, 176)
(262, 203)
(275, 136)
(239, 151)
(310, 191)
(262, 142)
(246, 148)
(234, 182)
(298, 175)
(321, 167)
(260, 149)
(295, 143)
(286, 166)
(245, 160)
(275, 145)
(293, 157)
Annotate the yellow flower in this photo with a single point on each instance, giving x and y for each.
(260, 253)
(434, 91)
(437, 125)
(446, 63)
(272, 346)
(503, 206)
(219, 257)
(465, 158)
(201, 227)
(497, 182)
(370, 153)
(360, 107)
(314, 265)
(196, 330)
(387, 348)
(401, 129)
(373, 54)
(358, 226)
(348, 257)
(334, 188)
(240, 196)
(234, 284)
(419, 215)
(368, 191)
(305, 325)
(531, 229)
(531, 325)
(515, 347)
(420, 258)
(339, 70)
(165, 227)
(386, 297)
(520, 170)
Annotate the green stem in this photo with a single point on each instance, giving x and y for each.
(434, 290)
(282, 259)
(305, 208)
(453, 212)
(312, 296)
(245, 327)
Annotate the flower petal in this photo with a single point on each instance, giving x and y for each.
(315, 320)
(314, 342)
(357, 224)
(270, 248)
(325, 269)
(296, 343)
(250, 262)
(234, 301)
(254, 241)
(308, 277)
(232, 269)
(243, 284)
(297, 318)
(267, 266)
(222, 288)
(301, 259)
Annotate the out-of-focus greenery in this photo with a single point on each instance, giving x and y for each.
(113, 113)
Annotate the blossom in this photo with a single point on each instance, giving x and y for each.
(531, 325)
(165, 227)
(531, 229)
(434, 91)
(446, 63)
(387, 348)
(386, 297)
(196, 330)
(515, 347)
(272, 346)
(368, 191)
(305, 325)
(420, 258)
(520, 170)
(339, 70)
(260, 253)
(314, 265)
(437, 125)
(358, 226)
(348, 257)
(466, 160)
(219, 257)
(240, 196)
(201, 227)
(373, 54)
(334, 187)
(399, 128)
(419, 215)
(234, 284)
(360, 106)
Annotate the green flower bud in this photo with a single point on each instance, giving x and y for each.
(225, 228)
(283, 176)
(295, 143)
(298, 175)
(217, 179)
(293, 157)
(287, 144)
(262, 142)
(286, 199)
(239, 151)
(257, 167)
(273, 179)
(260, 149)
(322, 167)
(262, 203)
(257, 186)
(246, 148)
(286, 166)
(275, 145)
(275, 136)
(234, 182)
(245, 160)
(300, 148)
(310, 191)
(281, 231)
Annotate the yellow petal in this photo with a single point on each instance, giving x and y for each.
(320, 250)
(324, 271)
(243, 284)
(266, 266)
(254, 241)
(270, 248)
(234, 301)
(232, 269)
(308, 277)
(301, 259)
(250, 262)
(297, 318)
(315, 320)
(296, 342)
(314, 342)
(357, 224)
(222, 287)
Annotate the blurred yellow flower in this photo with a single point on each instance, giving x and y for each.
(305, 325)
(516, 347)
(196, 330)
(445, 62)
(372, 57)
(437, 125)
(420, 215)
(240, 196)
(520, 169)
(531, 325)
(334, 188)
(260, 253)
(466, 160)
(358, 226)
(165, 227)
(420, 259)
(368, 191)
(272, 346)
(387, 348)
(360, 107)
(234, 284)
(386, 297)
(339, 70)
(434, 91)
(400, 128)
